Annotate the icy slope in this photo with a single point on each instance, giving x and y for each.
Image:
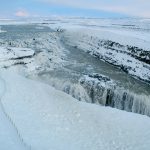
(49, 119)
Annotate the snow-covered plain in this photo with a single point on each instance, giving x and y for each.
(35, 116)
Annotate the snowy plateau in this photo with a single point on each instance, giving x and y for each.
(75, 84)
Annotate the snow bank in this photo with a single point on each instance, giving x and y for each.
(49, 119)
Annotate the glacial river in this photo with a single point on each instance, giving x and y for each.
(130, 94)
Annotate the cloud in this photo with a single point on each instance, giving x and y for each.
(139, 8)
(22, 13)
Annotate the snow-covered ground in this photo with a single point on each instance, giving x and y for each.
(49, 119)
(35, 116)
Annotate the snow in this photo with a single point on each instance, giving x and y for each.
(34, 54)
(9, 138)
(50, 119)
(35, 116)
(91, 40)
(13, 53)
(130, 33)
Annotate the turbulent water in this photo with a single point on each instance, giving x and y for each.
(125, 93)
(87, 78)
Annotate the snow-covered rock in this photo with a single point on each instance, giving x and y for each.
(34, 54)
(113, 48)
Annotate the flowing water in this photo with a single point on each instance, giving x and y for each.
(127, 94)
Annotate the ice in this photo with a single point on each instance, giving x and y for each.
(104, 91)
(50, 119)
(34, 54)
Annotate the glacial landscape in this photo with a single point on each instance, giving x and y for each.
(75, 83)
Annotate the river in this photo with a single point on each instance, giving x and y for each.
(129, 93)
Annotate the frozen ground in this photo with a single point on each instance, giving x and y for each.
(49, 119)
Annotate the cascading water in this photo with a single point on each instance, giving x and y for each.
(119, 90)
(101, 90)
(107, 94)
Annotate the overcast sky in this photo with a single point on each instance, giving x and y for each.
(87, 8)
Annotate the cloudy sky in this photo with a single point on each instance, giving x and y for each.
(87, 8)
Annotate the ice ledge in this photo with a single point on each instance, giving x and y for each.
(8, 53)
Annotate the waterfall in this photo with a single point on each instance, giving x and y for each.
(107, 94)
(102, 90)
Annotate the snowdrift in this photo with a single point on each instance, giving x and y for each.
(41, 117)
